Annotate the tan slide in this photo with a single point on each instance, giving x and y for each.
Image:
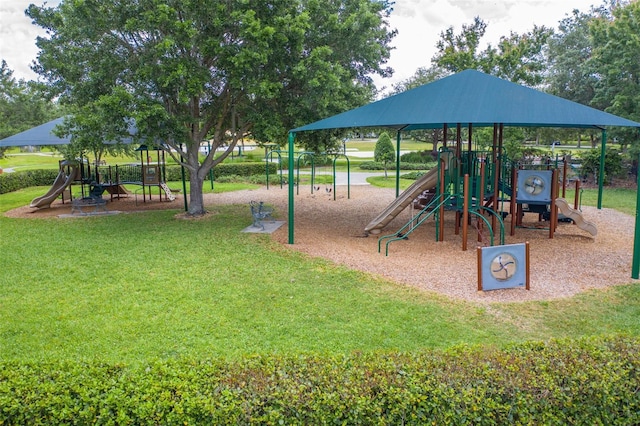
(428, 181)
(60, 184)
(576, 216)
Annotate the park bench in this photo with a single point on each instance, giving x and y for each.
(259, 212)
(98, 205)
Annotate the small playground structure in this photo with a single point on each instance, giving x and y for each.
(483, 188)
(312, 162)
(96, 179)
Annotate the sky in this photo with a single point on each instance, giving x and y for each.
(419, 24)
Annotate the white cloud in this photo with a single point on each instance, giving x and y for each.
(18, 36)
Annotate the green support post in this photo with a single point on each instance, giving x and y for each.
(184, 182)
(211, 169)
(292, 137)
(603, 147)
(398, 164)
(635, 265)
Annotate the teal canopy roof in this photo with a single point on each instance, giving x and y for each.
(39, 135)
(471, 97)
(43, 135)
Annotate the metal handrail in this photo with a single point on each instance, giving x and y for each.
(429, 209)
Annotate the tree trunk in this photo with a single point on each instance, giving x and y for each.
(434, 148)
(196, 198)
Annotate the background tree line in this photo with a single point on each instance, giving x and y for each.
(592, 59)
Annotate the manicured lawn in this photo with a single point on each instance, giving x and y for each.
(144, 286)
(29, 161)
(622, 199)
(135, 287)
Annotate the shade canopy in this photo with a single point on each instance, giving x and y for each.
(43, 135)
(471, 97)
(37, 136)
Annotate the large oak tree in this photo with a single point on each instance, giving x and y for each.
(186, 71)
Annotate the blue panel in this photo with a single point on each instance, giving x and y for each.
(534, 186)
(504, 267)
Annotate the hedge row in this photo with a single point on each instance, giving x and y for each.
(418, 157)
(373, 165)
(10, 182)
(174, 172)
(589, 381)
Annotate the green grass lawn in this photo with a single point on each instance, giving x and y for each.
(30, 161)
(622, 199)
(137, 287)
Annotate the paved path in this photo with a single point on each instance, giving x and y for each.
(356, 178)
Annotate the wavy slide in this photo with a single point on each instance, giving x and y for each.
(428, 181)
(576, 216)
(60, 184)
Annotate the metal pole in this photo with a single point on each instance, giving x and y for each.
(497, 158)
(465, 212)
(211, 169)
(603, 146)
(635, 265)
(184, 182)
(398, 164)
(292, 137)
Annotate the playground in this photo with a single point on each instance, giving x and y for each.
(570, 263)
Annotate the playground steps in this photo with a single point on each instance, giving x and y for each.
(427, 181)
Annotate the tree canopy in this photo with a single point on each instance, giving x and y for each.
(591, 59)
(616, 54)
(384, 152)
(518, 57)
(186, 71)
(22, 104)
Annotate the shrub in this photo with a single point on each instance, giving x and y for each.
(10, 182)
(587, 381)
(174, 173)
(384, 152)
(418, 157)
(372, 165)
(412, 175)
(613, 164)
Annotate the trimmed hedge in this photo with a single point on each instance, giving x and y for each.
(226, 169)
(10, 182)
(412, 175)
(418, 157)
(373, 165)
(587, 381)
